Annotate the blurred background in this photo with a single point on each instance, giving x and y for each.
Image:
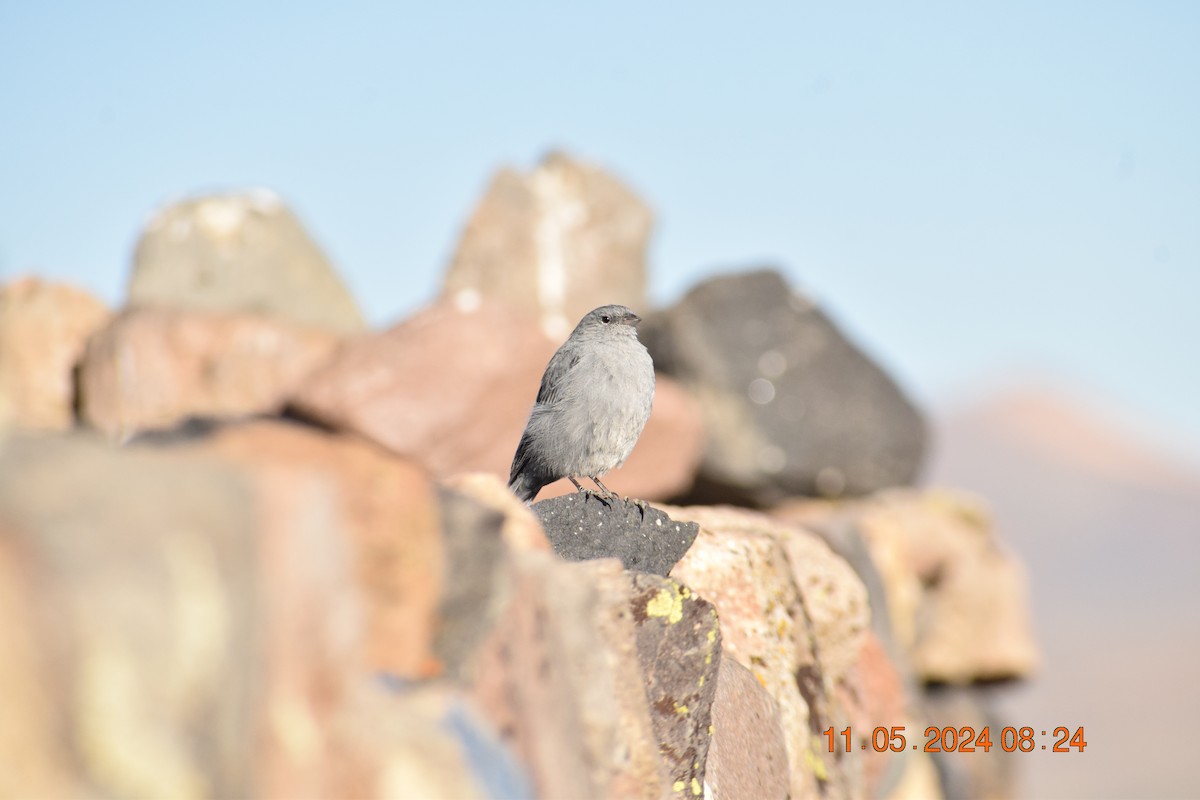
(999, 202)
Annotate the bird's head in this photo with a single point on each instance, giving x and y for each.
(609, 321)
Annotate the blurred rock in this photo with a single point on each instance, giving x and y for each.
(190, 628)
(449, 387)
(873, 695)
(959, 604)
(389, 514)
(791, 406)
(748, 757)
(554, 244)
(43, 328)
(474, 577)
(679, 648)
(559, 679)
(962, 776)
(239, 252)
(452, 387)
(582, 527)
(744, 563)
(520, 527)
(153, 368)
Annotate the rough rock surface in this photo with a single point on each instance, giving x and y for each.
(679, 648)
(584, 526)
(742, 563)
(43, 328)
(748, 758)
(791, 406)
(554, 244)
(241, 252)
(583, 731)
(453, 386)
(154, 368)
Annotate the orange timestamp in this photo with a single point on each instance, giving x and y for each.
(950, 739)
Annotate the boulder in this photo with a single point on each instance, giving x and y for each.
(242, 252)
(452, 387)
(153, 368)
(792, 613)
(679, 648)
(389, 518)
(585, 526)
(559, 678)
(554, 244)
(180, 628)
(748, 757)
(959, 602)
(43, 329)
(791, 406)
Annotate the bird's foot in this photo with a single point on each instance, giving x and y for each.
(601, 496)
(642, 505)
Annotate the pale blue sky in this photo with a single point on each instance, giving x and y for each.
(972, 188)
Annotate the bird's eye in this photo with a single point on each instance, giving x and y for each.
(605, 318)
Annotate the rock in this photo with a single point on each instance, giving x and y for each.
(873, 694)
(583, 730)
(474, 572)
(449, 387)
(43, 328)
(582, 527)
(154, 368)
(401, 576)
(748, 758)
(742, 563)
(679, 648)
(239, 252)
(452, 387)
(995, 774)
(436, 745)
(520, 528)
(791, 406)
(188, 625)
(959, 604)
(553, 245)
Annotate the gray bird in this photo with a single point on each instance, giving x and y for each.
(594, 401)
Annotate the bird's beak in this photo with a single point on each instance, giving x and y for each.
(632, 320)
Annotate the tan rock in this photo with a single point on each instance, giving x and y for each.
(241, 252)
(750, 567)
(154, 368)
(388, 513)
(959, 603)
(521, 529)
(43, 328)
(452, 387)
(554, 244)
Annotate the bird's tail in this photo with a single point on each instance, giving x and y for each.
(524, 486)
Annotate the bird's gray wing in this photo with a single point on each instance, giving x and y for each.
(556, 372)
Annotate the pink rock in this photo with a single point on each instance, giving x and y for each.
(154, 368)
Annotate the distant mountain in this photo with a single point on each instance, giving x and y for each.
(1108, 525)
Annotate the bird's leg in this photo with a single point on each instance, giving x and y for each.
(587, 492)
(608, 493)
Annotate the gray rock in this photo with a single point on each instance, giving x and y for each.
(790, 404)
(679, 648)
(239, 252)
(582, 527)
(556, 243)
